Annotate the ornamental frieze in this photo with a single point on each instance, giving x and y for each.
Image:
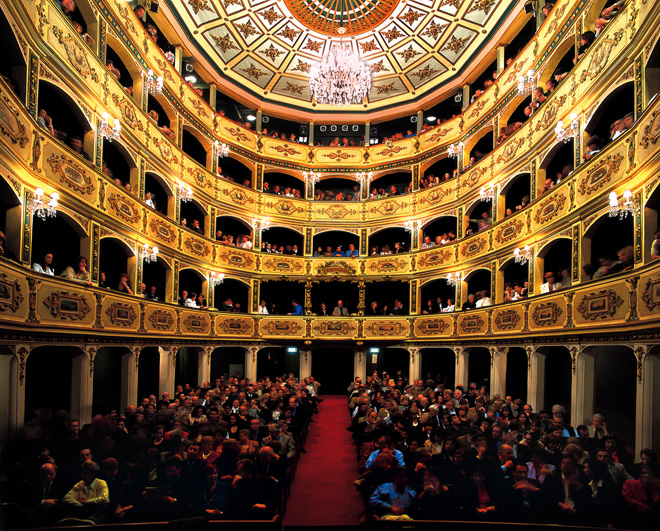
(336, 267)
(200, 178)
(282, 265)
(549, 115)
(76, 55)
(506, 319)
(473, 247)
(386, 328)
(235, 258)
(65, 305)
(600, 305)
(196, 323)
(237, 134)
(10, 125)
(651, 294)
(472, 178)
(471, 324)
(600, 174)
(387, 208)
(125, 209)
(436, 195)
(509, 231)
(390, 151)
(121, 314)
(510, 150)
(434, 326)
(280, 328)
(234, 325)
(443, 131)
(549, 208)
(238, 196)
(128, 113)
(336, 211)
(10, 294)
(434, 257)
(197, 247)
(162, 230)
(285, 149)
(600, 57)
(388, 265)
(165, 150)
(546, 314)
(651, 132)
(338, 155)
(71, 174)
(161, 320)
(334, 328)
(285, 207)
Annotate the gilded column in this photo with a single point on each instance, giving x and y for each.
(415, 363)
(582, 384)
(462, 357)
(251, 362)
(129, 377)
(82, 385)
(204, 363)
(535, 378)
(167, 369)
(305, 361)
(498, 361)
(647, 428)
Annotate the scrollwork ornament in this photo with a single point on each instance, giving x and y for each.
(22, 354)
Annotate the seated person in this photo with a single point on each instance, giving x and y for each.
(550, 285)
(340, 309)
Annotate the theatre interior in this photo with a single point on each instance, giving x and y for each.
(200, 206)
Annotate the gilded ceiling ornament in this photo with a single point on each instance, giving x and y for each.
(409, 53)
(391, 34)
(481, 5)
(247, 29)
(224, 43)
(271, 15)
(455, 45)
(379, 67)
(289, 33)
(295, 89)
(253, 71)
(454, 3)
(434, 30)
(385, 89)
(302, 66)
(271, 52)
(314, 46)
(199, 5)
(232, 3)
(369, 46)
(424, 73)
(410, 16)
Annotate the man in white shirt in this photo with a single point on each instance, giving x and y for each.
(450, 306)
(550, 284)
(427, 243)
(262, 308)
(190, 302)
(148, 199)
(484, 300)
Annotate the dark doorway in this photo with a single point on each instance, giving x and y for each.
(225, 359)
(107, 380)
(558, 378)
(516, 373)
(441, 364)
(278, 361)
(479, 366)
(148, 372)
(333, 368)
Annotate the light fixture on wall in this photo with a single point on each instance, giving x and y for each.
(108, 131)
(628, 206)
(40, 208)
(260, 224)
(566, 134)
(153, 83)
(148, 254)
(524, 256)
(221, 150)
(453, 279)
(185, 192)
(216, 278)
(487, 193)
(410, 225)
(526, 83)
(455, 150)
(311, 177)
(364, 178)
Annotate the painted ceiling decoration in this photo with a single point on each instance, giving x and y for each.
(265, 48)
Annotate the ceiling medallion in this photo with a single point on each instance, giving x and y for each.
(356, 16)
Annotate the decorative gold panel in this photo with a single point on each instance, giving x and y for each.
(72, 306)
(161, 319)
(121, 314)
(546, 313)
(386, 328)
(599, 305)
(471, 323)
(334, 328)
(10, 293)
(507, 319)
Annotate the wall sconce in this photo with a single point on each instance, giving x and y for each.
(148, 254)
(487, 193)
(154, 83)
(629, 205)
(185, 193)
(572, 131)
(453, 279)
(216, 278)
(455, 151)
(364, 178)
(526, 84)
(222, 150)
(111, 133)
(524, 256)
(41, 209)
(311, 177)
(410, 226)
(260, 224)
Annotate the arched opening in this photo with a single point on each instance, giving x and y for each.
(478, 217)
(115, 259)
(516, 193)
(226, 226)
(329, 294)
(516, 373)
(485, 80)
(513, 274)
(235, 291)
(337, 189)
(160, 192)
(333, 367)
(327, 242)
(440, 171)
(435, 296)
(652, 74)
(60, 236)
(192, 146)
(395, 129)
(148, 372)
(477, 281)
(556, 257)
(11, 220)
(616, 368)
(519, 114)
(651, 209)
(479, 366)
(442, 228)
(386, 295)
(119, 69)
(439, 365)
(557, 382)
(154, 275)
(283, 240)
(557, 165)
(226, 361)
(235, 171)
(278, 183)
(107, 380)
(481, 148)
(61, 108)
(518, 43)
(395, 361)
(385, 241)
(613, 109)
(157, 113)
(192, 281)
(194, 215)
(278, 295)
(392, 184)
(278, 361)
(12, 66)
(118, 164)
(559, 63)
(601, 243)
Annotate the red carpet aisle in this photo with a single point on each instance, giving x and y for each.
(323, 492)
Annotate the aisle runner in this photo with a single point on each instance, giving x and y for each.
(323, 492)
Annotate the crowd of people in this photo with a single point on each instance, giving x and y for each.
(220, 450)
(429, 452)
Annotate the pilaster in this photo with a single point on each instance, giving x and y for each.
(305, 362)
(167, 368)
(360, 362)
(462, 357)
(415, 363)
(535, 378)
(129, 378)
(582, 384)
(498, 360)
(251, 362)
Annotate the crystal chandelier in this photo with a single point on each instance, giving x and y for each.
(629, 206)
(455, 151)
(111, 133)
(185, 193)
(526, 84)
(311, 177)
(222, 150)
(453, 279)
(341, 78)
(364, 177)
(153, 83)
(524, 256)
(216, 278)
(41, 209)
(410, 226)
(260, 224)
(487, 193)
(571, 132)
(148, 254)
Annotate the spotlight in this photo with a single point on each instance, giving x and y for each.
(431, 118)
(251, 117)
(458, 98)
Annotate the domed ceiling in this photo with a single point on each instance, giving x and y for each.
(262, 50)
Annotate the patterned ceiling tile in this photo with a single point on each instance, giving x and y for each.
(433, 31)
(295, 88)
(457, 43)
(386, 89)
(271, 16)
(479, 10)
(201, 11)
(248, 29)
(254, 71)
(450, 6)
(425, 72)
(408, 54)
(272, 53)
(224, 43)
